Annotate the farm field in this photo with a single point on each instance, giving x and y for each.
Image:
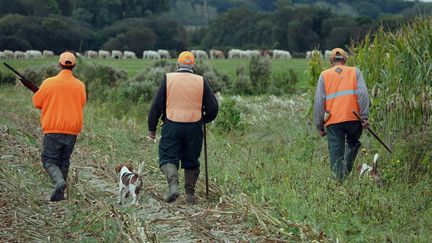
(134, 66)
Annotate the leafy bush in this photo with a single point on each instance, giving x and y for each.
(283, 83)
(229, 116)
(6, 78)
(259, 73)
(242, 84)
(40, 73)
(217, 81)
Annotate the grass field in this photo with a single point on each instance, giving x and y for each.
(133, 67)
(274, 168)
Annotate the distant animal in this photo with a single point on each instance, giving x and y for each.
(91, 54)
(33, 54)
(310, 54)
(154, 55)
(9, 54)
(237, 53)
(199, 54)
(47, 53)
(19, 55)
(116, 54)
(327, 54)
(253, 53)
(281, 54)
(129, 55)
(367, 170)
(2, 55)
(104, 54)
(164, 54)
(130, 182)
(215, 54)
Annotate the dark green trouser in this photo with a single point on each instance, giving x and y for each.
(343, 145)
(181, 142)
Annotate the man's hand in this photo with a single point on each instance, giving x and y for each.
(152, 136)
(322, 133)
(365, 124)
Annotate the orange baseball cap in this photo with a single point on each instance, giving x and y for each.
(338, 53)
(67, 59)
(186, 58)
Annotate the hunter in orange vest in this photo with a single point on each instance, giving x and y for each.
(341, 89)
(61, 99)
(185, 101)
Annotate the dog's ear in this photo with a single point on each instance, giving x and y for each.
(118, 168)
(129, 166)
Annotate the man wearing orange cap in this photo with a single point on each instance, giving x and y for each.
(185, 101)
(341, 89)
(61, 99)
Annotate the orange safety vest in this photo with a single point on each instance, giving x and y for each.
(185, 93)
(340, 84)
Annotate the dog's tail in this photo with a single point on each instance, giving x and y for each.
(375, 165)
(141, 168)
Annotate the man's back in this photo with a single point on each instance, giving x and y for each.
(61, 99)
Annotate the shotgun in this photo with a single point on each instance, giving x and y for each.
(29, 85)
(370, 130)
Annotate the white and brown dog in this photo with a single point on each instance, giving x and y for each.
(130, 182)
(367, 170)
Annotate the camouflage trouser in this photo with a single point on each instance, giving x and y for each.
(343, 144)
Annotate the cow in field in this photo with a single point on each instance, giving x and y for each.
(237, 53)
(103, 54)
(281, 54)
(327, 54)
(310, 54)
(164, 54)
(153, 55)
(129, 55)
(199, 54)
(116, 54)
(91, 54)
(33, 54)
(19, 55)
(253, 53)
(9, 54)
(47, 53)
(216, 54)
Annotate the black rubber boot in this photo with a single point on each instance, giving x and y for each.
(191, 177)
(171, 173)
(59, 183)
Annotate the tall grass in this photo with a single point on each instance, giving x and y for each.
(398, 70)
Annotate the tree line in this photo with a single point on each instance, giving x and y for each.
(139, 25)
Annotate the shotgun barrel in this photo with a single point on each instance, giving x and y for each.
(29, 85)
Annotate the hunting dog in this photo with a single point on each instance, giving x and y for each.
(371, 171)
(130, 182)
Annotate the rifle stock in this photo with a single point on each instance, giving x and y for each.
(29, 85)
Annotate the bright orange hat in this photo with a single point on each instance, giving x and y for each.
(67, 59)
(338, 53)
(186, 58)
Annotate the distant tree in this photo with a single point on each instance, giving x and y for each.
(13, 43)
(136, 39)
(104, 12)
(29, 7)
(369, 9)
